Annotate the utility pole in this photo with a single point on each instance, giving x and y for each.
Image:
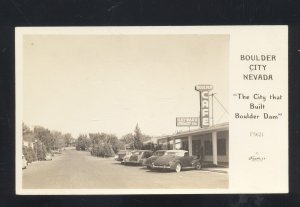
(200, 114)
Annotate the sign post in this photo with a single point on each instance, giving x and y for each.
(204, 103)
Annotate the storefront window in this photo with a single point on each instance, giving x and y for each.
(196, 146)
(221, 147)
(185, 145)
(208, 147)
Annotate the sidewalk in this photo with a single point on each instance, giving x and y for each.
(215, 168)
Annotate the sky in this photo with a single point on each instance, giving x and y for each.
(100, 83)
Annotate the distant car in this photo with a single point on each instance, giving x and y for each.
(148, 162)
(177, 160)
(138, 157)
(127, 156)
(121, 154)
(48, 156)
(24, 162)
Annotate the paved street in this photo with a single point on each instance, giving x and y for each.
(79, 170)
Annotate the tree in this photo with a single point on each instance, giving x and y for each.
(45, 137)
(41, 150)
(58, 140)
(67, 139)
(29, 154)
(28, 134)
(82, 142)
(26, 129)
(128, 139)
(108, 151)
(114, 142)
(104, 145)
(138, 138)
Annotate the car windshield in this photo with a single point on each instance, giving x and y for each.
(159, 153)
(137, 153)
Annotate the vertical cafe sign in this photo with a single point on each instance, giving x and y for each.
(204, 103)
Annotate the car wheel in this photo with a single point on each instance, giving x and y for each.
(178, 168)
(198, 166)
(148, 167)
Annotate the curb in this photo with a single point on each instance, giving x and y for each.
(215, 170)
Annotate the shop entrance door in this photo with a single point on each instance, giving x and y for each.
(196, 145)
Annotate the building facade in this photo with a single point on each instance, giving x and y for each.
(212, 143)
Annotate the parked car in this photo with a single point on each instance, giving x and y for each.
(48, 156)
(121, 154)
(126, 157)
(138, 157)
(148, 162)
(177, 160)
(24, 162)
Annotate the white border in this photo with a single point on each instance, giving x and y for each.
(233, 31)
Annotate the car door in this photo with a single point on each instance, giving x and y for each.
(150, 154)
(190, 161)
(185, 160)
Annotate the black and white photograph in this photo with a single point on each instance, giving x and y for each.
(125, 111)
(148, 103)
(157, 110)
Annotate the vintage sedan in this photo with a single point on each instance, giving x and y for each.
(121, 154)
(148, 162)
(177, 160)
(126, 157)
(138, 157)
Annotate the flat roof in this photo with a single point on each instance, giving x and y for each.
(217, 127)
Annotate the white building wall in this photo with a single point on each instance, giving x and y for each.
(208, 137)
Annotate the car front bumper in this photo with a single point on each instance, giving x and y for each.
(118, 159)
(135, 162)
(161, 166)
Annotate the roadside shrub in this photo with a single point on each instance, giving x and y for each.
(29, 154)
(41, 150)
(103, 150)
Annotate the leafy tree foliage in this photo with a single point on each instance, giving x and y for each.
(128, 139)
(41, 150)
(137, 138)
(67, 139)
(104, 145)
(83, 143)
(43, 141)
(29, 154)
(26, 129)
